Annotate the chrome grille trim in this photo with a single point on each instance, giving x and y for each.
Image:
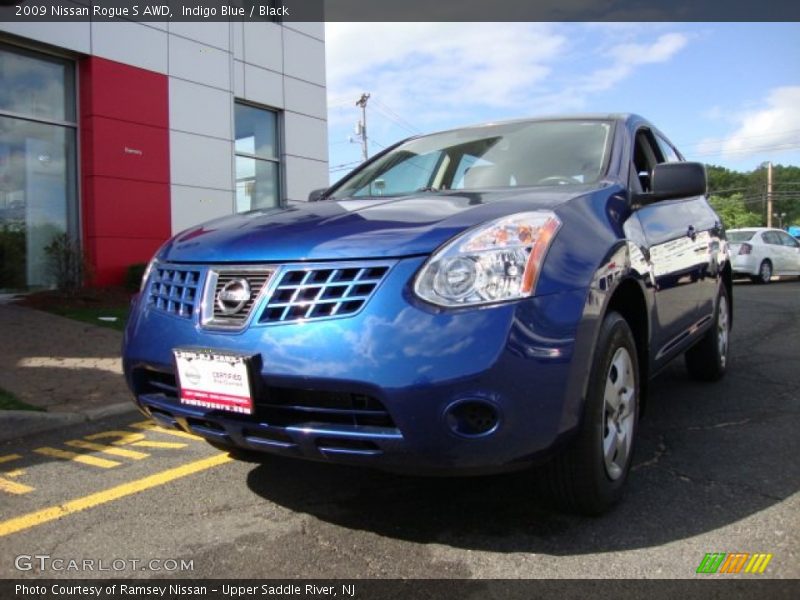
(322, 291)
(258, 278)
(175, 289)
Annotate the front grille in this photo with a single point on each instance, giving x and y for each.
(218, 278)
(175, 289)
(305, 293)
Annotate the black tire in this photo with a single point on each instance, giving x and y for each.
(579, 480)
(764, 272)
(708, 359)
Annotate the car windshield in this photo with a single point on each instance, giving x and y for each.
(544, 153)
(740, 236)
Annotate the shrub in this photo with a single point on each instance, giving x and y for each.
(67, 263)
(134, 275)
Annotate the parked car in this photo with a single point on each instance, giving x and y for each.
(471, 301)
(761, 252)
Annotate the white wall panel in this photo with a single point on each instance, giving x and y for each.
(314, 29)
(199, 63)
(305, 136)
(262, 45)
(263, 87)
(207, 32)
(304, 57)
(196, 108)
(69, 35)
(303, 176)
(130, 43)
(305, 98)
(200, 161)
(192, 206)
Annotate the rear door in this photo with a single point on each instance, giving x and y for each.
(680, 235)
(791, 252)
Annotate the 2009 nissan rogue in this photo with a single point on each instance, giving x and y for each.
(469, 301)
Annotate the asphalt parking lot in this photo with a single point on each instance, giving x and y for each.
(716, 470)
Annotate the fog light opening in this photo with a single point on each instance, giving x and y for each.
(472, 418)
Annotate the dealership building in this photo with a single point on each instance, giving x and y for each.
(120, 134)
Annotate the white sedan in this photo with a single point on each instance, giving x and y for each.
(761, 252)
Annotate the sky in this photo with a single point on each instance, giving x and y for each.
(723, 93)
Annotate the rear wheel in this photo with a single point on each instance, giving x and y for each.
(589, 476)
(708, 359)
(764, 272)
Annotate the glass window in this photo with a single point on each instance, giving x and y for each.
(35, 86)
(667, 151)
(740, 236)
(257, 158)
(787, 240)
(523, 153)
(38, 199)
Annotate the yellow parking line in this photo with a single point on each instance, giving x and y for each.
(12, 487)
(10, 457)
(83, 444)
(103, 463)
(149, 444)
(150, 426)
(52, 513)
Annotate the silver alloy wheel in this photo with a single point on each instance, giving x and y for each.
(618, 413)
(722, 329)
(765, 272)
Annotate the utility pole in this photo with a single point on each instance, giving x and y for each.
(769, 194)
(362, 126)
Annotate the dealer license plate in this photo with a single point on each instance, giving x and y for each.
(215, 380)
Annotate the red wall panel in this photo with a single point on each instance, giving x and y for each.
(128, 150)
(124, 134)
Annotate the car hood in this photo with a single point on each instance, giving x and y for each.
(352, 229)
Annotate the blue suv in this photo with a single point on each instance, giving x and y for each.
(477, 300)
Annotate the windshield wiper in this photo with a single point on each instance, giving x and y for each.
(427, 189)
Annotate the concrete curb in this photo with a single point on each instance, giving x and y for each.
(17, 424)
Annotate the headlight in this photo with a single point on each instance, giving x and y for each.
(499, 260)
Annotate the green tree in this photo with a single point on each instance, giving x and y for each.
(734, 212)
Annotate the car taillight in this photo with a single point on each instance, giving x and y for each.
(745, 248)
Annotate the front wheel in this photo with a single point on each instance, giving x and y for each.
(708, 359)
(589, 476)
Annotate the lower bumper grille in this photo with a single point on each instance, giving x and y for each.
(286, 407)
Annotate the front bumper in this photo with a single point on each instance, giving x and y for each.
(381, 387)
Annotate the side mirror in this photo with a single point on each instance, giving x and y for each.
(317, 195)
(678, 180)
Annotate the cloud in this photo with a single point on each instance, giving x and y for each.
(772, 127)
(625, 58)
(432, 65)
(438, 73)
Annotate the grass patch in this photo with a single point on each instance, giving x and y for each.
(92, 315)
(9, 402)
(86, 305)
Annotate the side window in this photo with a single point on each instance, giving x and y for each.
(645, 156)
(788, 240)
(667, 151)
(769, 237)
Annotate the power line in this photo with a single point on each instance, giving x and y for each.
(392, 115)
